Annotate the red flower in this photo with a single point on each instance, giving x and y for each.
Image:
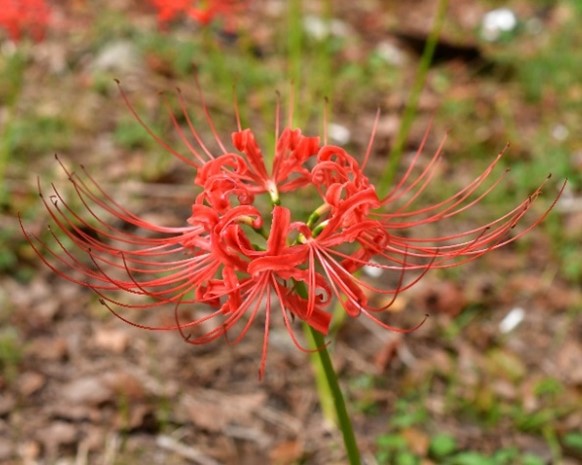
(202, 11)
(243, 253)
(20, 17)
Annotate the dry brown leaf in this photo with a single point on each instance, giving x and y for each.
(48, 348)
(30, 382)
(6, 448)
(58, 433)
(286, 453)
(212, 411)
(569, 362)
(124, 384)
(87, 390)
(7, 402)
(440, 297)
(387, 352)
(112, 340)
(417, 440)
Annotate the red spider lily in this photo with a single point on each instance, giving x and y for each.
(202, 11)
(241, 260)
(20, 17)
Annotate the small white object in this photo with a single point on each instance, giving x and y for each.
(560, 132)
(373, 271)
(120, 56)
(339, 133)
(316, 27)
(512, 320)
(319, 28)
(496, 22)
(390, 53)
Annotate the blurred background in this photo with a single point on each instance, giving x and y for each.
(494, 377)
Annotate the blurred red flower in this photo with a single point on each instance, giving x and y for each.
(24, 17)
(251, 245)
(202, 11)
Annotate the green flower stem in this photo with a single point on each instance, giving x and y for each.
(295, 51)
(11, 75)
(323, 391)
(412, 102)
(325, 367)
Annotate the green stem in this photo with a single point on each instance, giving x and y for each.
(294, 55)
(12, 77)
(344, 422)
(322, 386)
(320, 84)
(412, 102)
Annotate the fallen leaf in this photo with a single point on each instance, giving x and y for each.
(48, 348)
(30, 382)
(7, 402)
(112, 340)
(56, 434)
(125, 384)
(387, 352)
(285, 453)
(88, 390)
(212, 411)
(569, 362)
(6, 449)
(417, 440)
(441, 297)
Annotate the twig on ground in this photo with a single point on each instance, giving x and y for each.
(188, 452)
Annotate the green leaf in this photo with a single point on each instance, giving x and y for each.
(471, 458)
(529, 459)
(573, 440)
(391, 442)
(406, 458)
(505, 456)
(442, 445)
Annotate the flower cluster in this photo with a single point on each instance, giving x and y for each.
(202, 11)
(248, 249)
(20, 17)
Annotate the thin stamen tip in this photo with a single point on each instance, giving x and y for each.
(117, 81)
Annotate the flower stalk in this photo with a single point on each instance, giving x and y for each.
(395, 155)
(341, 412)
